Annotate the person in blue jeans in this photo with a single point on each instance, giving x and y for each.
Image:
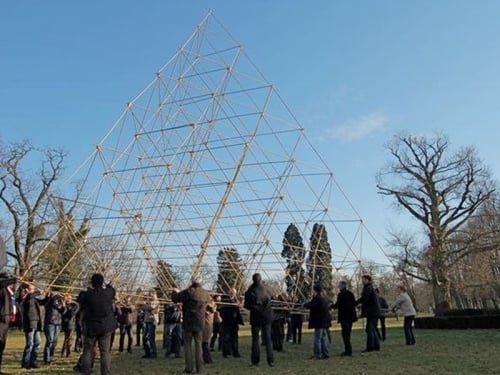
(151, 309)
(54, 309)
(32, 325)
(320, 321)
(405, 305)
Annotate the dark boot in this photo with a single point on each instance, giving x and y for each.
(207, 357)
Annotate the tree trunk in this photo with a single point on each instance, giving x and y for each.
(441, 288)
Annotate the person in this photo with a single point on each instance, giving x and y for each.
(405, 305)
(258, 302)
(280, 315)
(117, 312)
(320, 321)
(7, 309)
(78, 331)
(172, 332)
(217, 327)
(98, 323)
(383, 311)
(125, 322)
(139, 325)
(210, 312)
(81, 322)
(32, 326)
(194, 301)
(54, 310)
(370, 310)
(68, 324)
(346, 305)
(230, 315)
(297, 320)
(151, 318)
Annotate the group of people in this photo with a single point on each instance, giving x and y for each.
(372, 306)
(194, 320)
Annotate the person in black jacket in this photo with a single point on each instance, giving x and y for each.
(32, 326)
(230, 314)
(320, 321)
(54, 309)
(346, 305)
(68, 324)
(6, 309)
(258, 302)
(370, 310)
(98, 323)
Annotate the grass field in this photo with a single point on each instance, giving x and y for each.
(437, 352)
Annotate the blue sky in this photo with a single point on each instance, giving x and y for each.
(353, 72)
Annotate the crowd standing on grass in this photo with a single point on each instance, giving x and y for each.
(195, 322)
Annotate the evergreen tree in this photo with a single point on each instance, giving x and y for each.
(319, 263)
(230, 271)
(297, 285)
(166, 278)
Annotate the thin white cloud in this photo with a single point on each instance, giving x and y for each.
(357, 129)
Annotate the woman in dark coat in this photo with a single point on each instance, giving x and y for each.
(320, 321)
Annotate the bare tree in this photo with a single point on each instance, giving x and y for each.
(475, 251)
(440, 189)
(25, 195)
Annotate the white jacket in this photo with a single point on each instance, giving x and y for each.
(405, 305)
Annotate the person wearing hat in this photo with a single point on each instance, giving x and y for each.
(194, 301)
(320, 321)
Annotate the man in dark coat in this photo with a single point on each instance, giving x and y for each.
(320, 321)
(346, 305)
(194, 304)
(6, 309)
(32, 326)
(231, 320)
(370, 310)
(258, 302)
(98, 323)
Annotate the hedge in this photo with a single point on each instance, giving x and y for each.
(459, 322)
